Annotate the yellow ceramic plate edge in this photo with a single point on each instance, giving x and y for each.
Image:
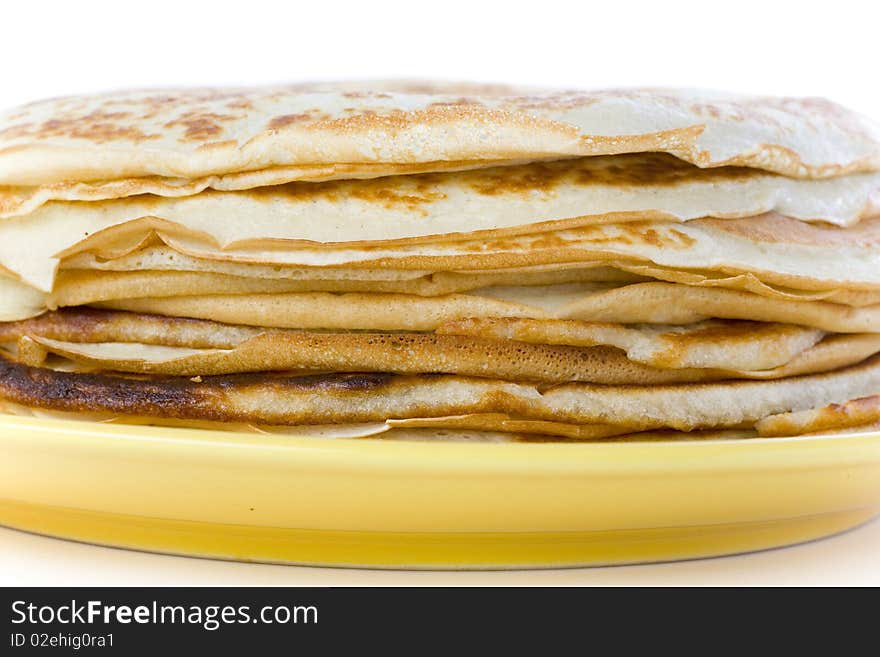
(427, 505)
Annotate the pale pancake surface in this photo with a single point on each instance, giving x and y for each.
(778, 250)
(418, 206)
(197, 132)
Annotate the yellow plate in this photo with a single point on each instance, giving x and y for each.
(424, 505)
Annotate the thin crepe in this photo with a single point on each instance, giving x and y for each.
(851, 414)
(668, 303)
(192, 133)
(481, 203)
(438, 354)
(778, 250)
(639, 303)
(157, 260)
(715, 344)
(487, 428)
(492, 427)
(20, 200)
(268, 398)
(171, 345)
(83, 287)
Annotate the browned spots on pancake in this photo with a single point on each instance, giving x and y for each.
(410, 191)
(645, 235)
(629, 170)
(707, 109)
(97, 126)
(456, 102)
(684, 239)
(242, 103)
(395, 121)
(154, 102)
(176, 397)
(633, 232)
(17, 131)
(335, 382)
(755, 110)
(615, 239)
(151, 106)
(10, 200)
(378, 192)
(539, 177)
(199, 125)
(776, 228)
(68, 391)
(740, 331)
(285, 120)
(663, 169)
(217, 145)
(451, 88)
(562, 100)
(541, 241)
(509, 248)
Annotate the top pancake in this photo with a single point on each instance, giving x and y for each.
(193, 133)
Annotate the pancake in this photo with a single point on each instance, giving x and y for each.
(192, 133)
(497, 422)
(699, 352)
(163, 259)
(638, 303)
(779, 251)
(482, 427)
(682, 304)
(749, 282)
(714, 344)
(16, 200)
(428, 353)
(718, 344)
(268, 398)
(19, 301)
(488, 428)
(277, 227)
(367, 352)
(852, 414)
(481, 203)
(83, 287)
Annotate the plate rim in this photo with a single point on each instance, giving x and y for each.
(827, 450)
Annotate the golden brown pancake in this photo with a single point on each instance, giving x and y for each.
(864, 411)
(275, 398)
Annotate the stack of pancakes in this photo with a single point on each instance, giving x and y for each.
(442, 261)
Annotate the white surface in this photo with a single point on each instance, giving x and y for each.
(848, 559)
(801, 48)
(57, 48)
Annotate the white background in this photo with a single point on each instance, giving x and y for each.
(793, 48)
